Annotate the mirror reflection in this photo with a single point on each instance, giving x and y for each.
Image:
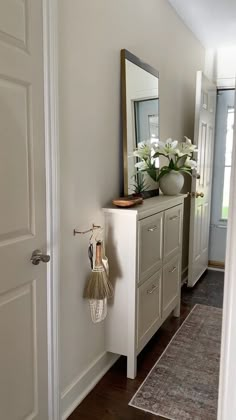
(140, 108)
(146, 120)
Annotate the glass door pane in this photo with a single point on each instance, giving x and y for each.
(225, 203)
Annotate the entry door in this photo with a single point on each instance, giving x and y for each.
(202, 178)
(23, 288)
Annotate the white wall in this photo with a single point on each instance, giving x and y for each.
(91, 34)
(220, 65)
(226, 67)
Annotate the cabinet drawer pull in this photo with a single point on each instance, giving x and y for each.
(173, 269)
(153, 288)
(151, 229)
(173, 217)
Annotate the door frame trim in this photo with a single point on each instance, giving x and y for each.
(51, 115)
(227, 385)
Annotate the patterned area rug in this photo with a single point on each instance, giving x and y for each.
(183, 384)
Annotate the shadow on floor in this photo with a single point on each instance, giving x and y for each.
(209, 290)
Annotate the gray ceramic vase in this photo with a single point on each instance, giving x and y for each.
(171, 183)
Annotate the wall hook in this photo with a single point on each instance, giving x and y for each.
(78, 232)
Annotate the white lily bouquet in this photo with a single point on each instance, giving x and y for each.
(179, 157)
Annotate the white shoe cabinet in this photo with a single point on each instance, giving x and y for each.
(144, 247)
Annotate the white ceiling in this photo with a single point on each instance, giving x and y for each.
(212, 21)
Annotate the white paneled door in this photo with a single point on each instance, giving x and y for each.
(202, 178)
(23, 285)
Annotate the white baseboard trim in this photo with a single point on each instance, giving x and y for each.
(216, 269)
(73, 395)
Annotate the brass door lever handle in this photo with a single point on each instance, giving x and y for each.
(195, 194)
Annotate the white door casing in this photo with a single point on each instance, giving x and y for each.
(218, 226)
(205, 106)
(50, 35)
(227, 383)
(23, 286)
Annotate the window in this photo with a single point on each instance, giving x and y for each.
(227, 163)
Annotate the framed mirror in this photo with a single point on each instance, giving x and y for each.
(140, 115)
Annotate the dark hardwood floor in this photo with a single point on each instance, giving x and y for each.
(109, 399)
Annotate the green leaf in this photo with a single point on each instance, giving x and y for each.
(171, 164)
(140, 184)
(164, 168)
(181, 161)
(157, 154)
(152, 172)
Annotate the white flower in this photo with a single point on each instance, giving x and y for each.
(178, 154)
(184, 150)
(142, 165)
(145, 150)
(187, 148)
(189, 142)
(168, 149)
(190, 163)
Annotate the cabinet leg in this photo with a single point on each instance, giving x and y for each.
(131, 367)
(176, 312)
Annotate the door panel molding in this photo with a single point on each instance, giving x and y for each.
(203, 155)
(19, 187)
(14, 27)
(23, 299)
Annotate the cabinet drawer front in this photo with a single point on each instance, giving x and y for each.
(172, 232)
(170, 283)
(150, 245)
(149, 305)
